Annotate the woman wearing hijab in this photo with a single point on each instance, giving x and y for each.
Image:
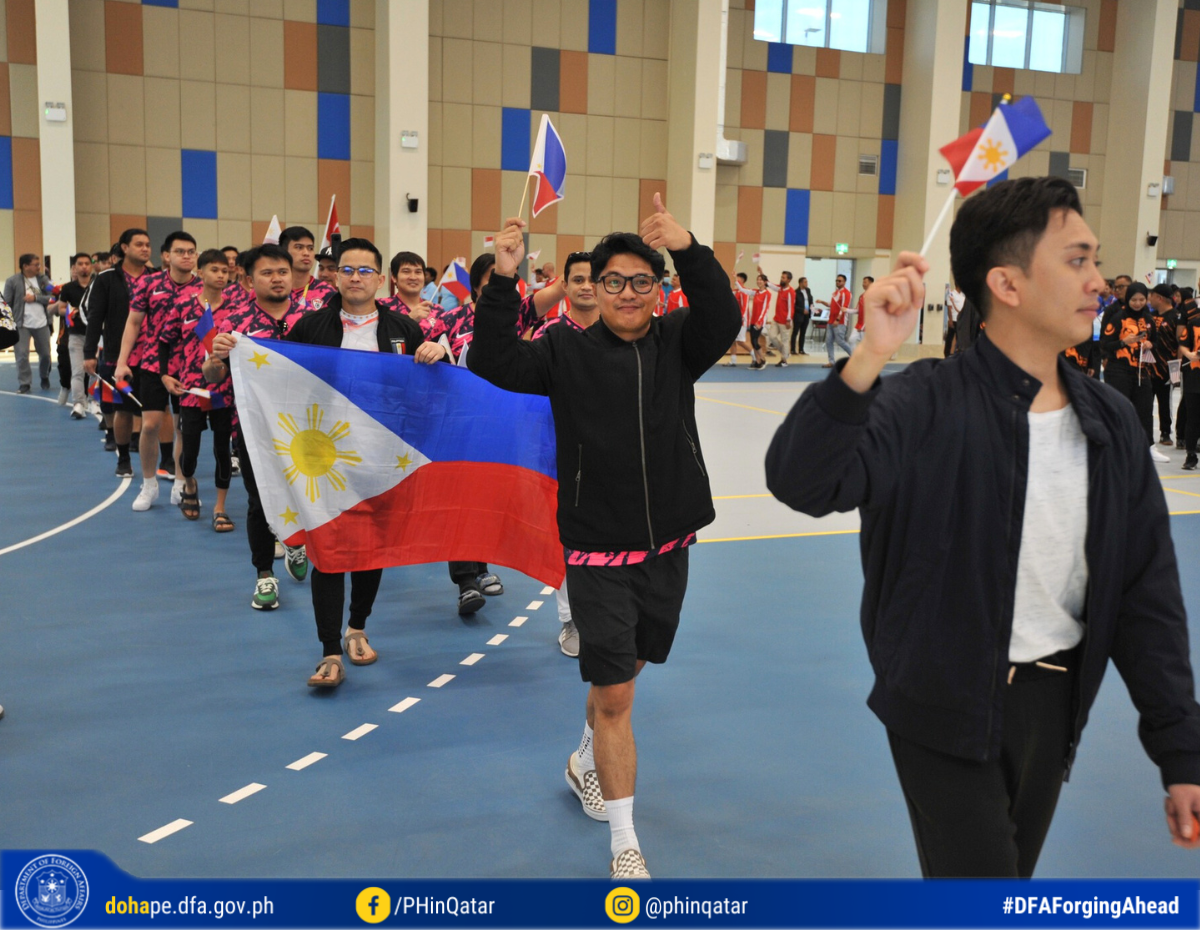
(1125, 342)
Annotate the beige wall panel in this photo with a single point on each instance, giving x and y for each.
(435, 138)
(457, 18)
(1190, 203)
(545, 243)
(1085, 81)
(654, 88)
(456, 198)
(198, 130)
(1191, 239)
(267, 130)
(1183, 85)
(820, 219)
(198, 51)
(362, 62)
(515, 80)
(870, 122)
(488, 21)
(232, 49)
(547, 15)
(127, 179)
(599, 147)
(435, 199)
(456, 70)
(299, 121)
(1043, 83)
(733, 96)
(1095, 188)
(736, 41)
(233, 123)
(981, 80)
(874, 68)
(511, 183)
(1064, 86)
(654, 148)
(23, 97)
(754, 53)
(160, 41)
(625, 204)
(774, 214)
(362, 128)
(487, 66)
(233, 186)
(852, 66)
(300, 191)
(866, 216)
(304, 11)
(435, 17)
(236, 7)
(825, 107)
(163, 116)
(571, 209)
(779, 101)
(87, 39)
(8, 237)
(602, 78)
(233, 232)
(656, 33)
(850, 99)
(598, 208)
(804, 61)
(1171, 233)
(573, 128)
(456, 138)
(1181, 172)
(126, 111)
(435, 67)
(799, 159)
(266, 64)
(573, 32)
(362, 193)
(1100, 113)
(163, 183)
(89, 94)
(518, 21)
(752, 172)
(843, 217)
(845, 166)
(268, 187)
(1091, 23)
(627, 94)
(1094, 216)
(485, 137)
(630, 23)
(725, 219)
(1104, 63)
(207, 233)
(627, 143)
(1024, 83)
(362, 14)
(1060, 116)
(91, 179)
(91, 231)
(1036, 163)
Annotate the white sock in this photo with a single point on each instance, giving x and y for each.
(149, 483)
(587, 761)
(620, 821)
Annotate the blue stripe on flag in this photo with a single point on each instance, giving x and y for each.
(1025, 124)
(445, 412)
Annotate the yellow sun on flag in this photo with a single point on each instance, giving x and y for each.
(314, 452)
(993, 155)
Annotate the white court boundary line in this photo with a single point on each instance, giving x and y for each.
(103, 505)
(49, 400)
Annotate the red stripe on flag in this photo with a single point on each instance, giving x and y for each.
(957, 153)
(449, 511)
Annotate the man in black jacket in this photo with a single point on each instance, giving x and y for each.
(1015, 537)
(632, 489)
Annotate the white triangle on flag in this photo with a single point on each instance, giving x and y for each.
(274, 231)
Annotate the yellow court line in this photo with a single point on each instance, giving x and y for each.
(1182, 513)
(1175, 477)
(1177, 491)
(736, 497)
(729, 403)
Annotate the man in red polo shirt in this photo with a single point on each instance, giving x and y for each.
(835, 331)
(779, 333)
(856, 336)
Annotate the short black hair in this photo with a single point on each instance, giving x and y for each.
(575, 258)
(230, 248)
(171, 239)
(868, 278)
(1128, 279)
(78, 255)
(789, 275)
(479, 268)
(741, 275)
(1187, 293)
(26, 259)
(1002, 225)
(624, 243)
(266, 250)
(407, 258)
(361, 245)
(241, 260)
(842, 276)
(212, 257)
(127, 236)
(294, 234)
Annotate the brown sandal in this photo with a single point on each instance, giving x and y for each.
(358, 650)
(221, 522)
(329, 674)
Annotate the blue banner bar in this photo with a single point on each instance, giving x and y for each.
(81, 888)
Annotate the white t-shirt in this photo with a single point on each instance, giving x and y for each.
(954, 303)
(35, 313)
(1052, 571)
(359, 332)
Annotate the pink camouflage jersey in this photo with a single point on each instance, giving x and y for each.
(561, 320)
(155, 297)
(177, 331)
(458, 324)
(428, 325)
(313, 296)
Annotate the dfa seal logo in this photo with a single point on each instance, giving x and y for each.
(52, 891)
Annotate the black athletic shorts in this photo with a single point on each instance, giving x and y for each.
(625, 613)
(149, 389)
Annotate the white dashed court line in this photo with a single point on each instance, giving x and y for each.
(361, 731)
(173, 827)
(518, 621)
(242, 793)
(547, 591)
(472, 658)
(307, 761)
(497, 639)
(534, 605)
(404, 705)
(441, 680)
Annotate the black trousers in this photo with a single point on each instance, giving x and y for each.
(329, 600)
(192, 422)
(989, 819)
(262, 540)
(799, 331)
(464, 574)
(1141, 395)
(1162, 394)
(64, 364)
(1189, 422)
(1181, 415)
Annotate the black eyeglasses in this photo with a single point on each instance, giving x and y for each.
(614, 283)
(364, 271)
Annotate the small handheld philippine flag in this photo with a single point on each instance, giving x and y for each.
(206, 329)
(489, 241)
(457, 280)
(548, 167)
(984, 154)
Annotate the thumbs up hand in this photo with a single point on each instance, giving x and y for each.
(661, 230)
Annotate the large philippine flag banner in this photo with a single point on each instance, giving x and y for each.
(373, 460)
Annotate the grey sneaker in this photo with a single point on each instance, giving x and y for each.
(628, 864)
(266, 594)
(295, 561)
(568, 640)
(587, 788)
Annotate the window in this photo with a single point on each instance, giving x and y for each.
(850, 25)
(1026, 34)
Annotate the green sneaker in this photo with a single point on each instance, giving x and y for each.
(295, 560)
(266, 594)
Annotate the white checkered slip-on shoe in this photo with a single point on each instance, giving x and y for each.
(628, 864)
(587, 788)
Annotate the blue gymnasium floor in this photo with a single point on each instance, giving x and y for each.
(140, 688)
